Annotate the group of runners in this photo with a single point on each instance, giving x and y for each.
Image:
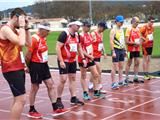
(88, 45)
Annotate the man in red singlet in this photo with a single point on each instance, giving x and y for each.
(86, 41)
(98, 51)
(37, 61)
(133, 41)
(147, 46)
(12, 59)
(67, 48)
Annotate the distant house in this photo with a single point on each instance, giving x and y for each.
(4, 21)
(54, 22)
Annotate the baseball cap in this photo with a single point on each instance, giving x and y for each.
(44, 25)
(119, 18)
(75, 23)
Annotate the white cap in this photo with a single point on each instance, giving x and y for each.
(45, 26)
(75, 23)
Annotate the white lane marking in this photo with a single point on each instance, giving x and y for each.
(82, 112)
(150, 91)
(106, 118)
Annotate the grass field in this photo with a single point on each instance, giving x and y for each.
(52, 38)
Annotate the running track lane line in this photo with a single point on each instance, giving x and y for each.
(24, 114)
(106, 118)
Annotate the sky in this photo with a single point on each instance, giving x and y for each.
(6, 4)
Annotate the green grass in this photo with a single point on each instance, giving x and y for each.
(52, 38)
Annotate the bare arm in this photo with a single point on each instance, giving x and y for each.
(28, 39)
(80, 51)
(14, 38)
(112, 34)
(58, 50)
(28, 57)
(10, 35)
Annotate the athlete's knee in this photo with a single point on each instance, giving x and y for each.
(136, 63)
(50, 86)
(72, 78)
(21, 100)
(83, 76)
(35, 87)
(63, 80)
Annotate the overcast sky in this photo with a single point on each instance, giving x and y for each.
(5, 4)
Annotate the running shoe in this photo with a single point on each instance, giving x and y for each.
(59, 111)
(34, 114)
(146, 77)
(98, 95)
(135, 80)
(86, 96)
(76, 101)
(59, 103)
(114, 86)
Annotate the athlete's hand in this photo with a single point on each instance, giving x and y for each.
(105, 56)
(26, 70)
(91, 57)
(21, 20)
(126, 54)
(114, 54)
(62, 65)
(84, 63)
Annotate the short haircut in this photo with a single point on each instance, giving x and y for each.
(18, 12)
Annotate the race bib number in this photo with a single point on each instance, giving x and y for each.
(150, 37)
(89, 49)
(22, 57)
(137, 41)
(100, 47)
(45, 56)
(73, 47)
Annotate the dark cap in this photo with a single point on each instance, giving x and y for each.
(86, 23)
(151, 18)
(103, 24)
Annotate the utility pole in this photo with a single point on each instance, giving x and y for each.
(90, 11)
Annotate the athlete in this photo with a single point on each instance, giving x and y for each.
(133, 41)
(147, 46)
(98, 51)
(67, 47)
(13, 36)
(37, 59)
(117, 43)
(86, 41)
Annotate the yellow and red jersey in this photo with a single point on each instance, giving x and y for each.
(12, 58)
(147, 33)
(134, 36)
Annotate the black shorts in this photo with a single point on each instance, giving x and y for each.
(39, 72)
(16, 81)
(97, 59)
(135, 54)
(92, 63)
(70, 68)
(120, 55)
(148, 50)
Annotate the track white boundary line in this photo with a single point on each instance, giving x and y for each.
(6, 98)
(103, 106)
(106, 118)
(54, 70)
(122, 93)
(24, 114)
(155, 114)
